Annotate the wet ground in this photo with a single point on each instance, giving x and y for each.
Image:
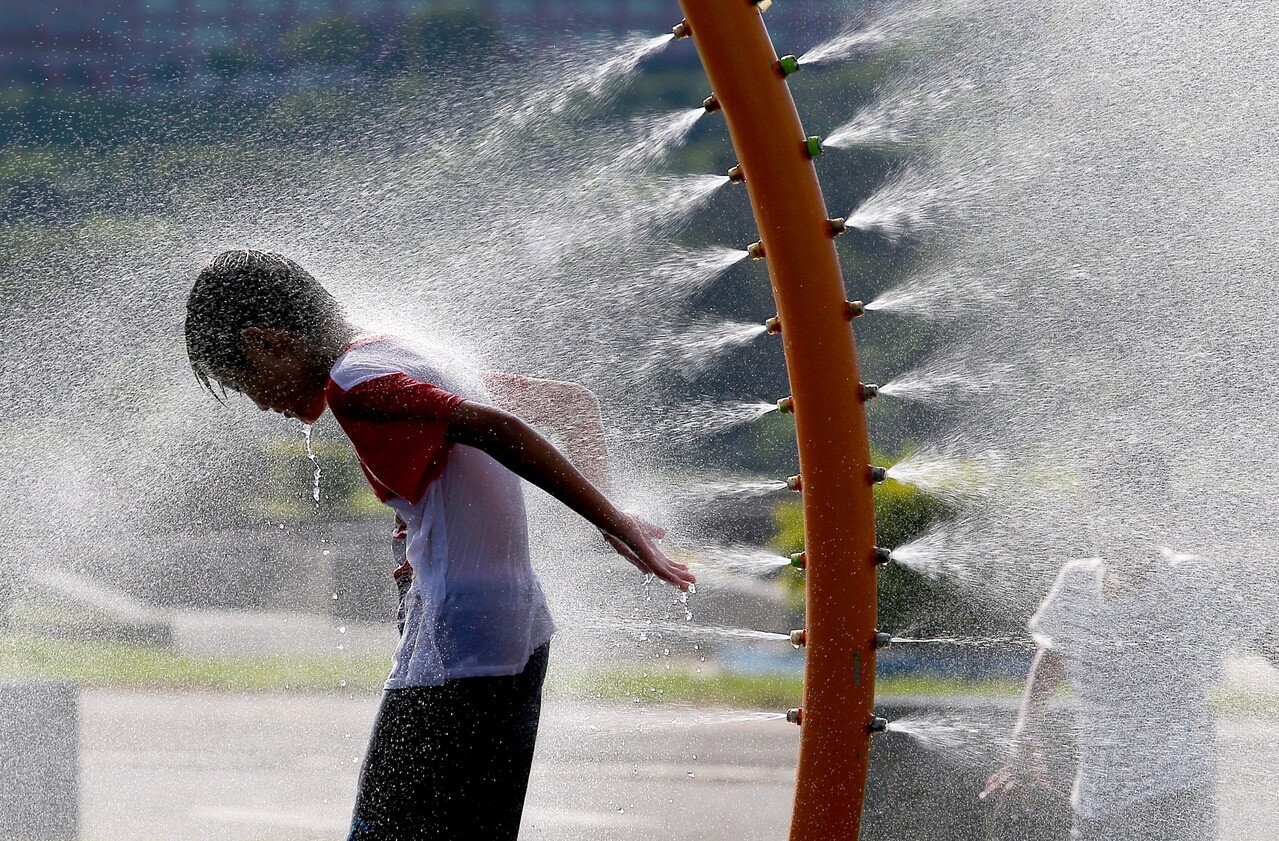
(202, 766)
(180, 766)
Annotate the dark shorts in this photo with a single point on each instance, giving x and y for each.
(451, 761)
(1184, 816)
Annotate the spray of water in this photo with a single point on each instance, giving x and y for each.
(948, 381)
(740, 633)
(949, 476)
(707, 491)
(694, 351)
(579, 82)
(682, 273)
(907, 206)
(657, 137)
(938, 295)
(310, 454)
(889, 28)
(740, 559)
(696, 421)
(894, 119)
(962, 739)
(968, 642)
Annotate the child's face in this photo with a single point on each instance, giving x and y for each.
(281, 376)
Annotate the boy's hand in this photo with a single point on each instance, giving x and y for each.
(1023, 772)
(640, 548)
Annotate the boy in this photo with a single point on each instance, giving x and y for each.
(1140, 635)
(453, 742)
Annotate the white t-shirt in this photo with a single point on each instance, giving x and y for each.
(475, 607)
(1140, 665)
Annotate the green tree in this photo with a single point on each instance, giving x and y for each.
(328, 42)
(232, 60)
(906, 599)
(450, 35)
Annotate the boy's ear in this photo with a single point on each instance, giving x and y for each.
(258, 338)
(265, 339)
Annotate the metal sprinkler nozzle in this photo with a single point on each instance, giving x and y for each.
(763, 5)
(795, 716)
(869, 391)
(735, 174)
(682, 30)
(795, 483)
(838, 225)
(788, 64)
(786, 405)
(883, 640)
(756, 250)
(799, 560)
(711, 104)
(878, 474)
(773, 326)
(882, 556)
(878, 724)
(799, 638)
(854, 309)
(813, 145)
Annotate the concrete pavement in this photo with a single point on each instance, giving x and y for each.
(189, 766)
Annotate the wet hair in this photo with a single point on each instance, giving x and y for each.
(245, 288)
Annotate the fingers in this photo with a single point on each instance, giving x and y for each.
(994, 783)
(649, 559)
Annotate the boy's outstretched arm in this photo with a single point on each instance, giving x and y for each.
(525, 452)
(1024, 767)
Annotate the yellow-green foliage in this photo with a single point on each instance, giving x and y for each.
(328, 41)
(902, 513)
(113, 664)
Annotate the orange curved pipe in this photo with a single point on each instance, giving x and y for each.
(834, 451)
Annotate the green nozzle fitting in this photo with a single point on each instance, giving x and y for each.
(788, 64)
(799, 560)
(786, 405)
(813, 146)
